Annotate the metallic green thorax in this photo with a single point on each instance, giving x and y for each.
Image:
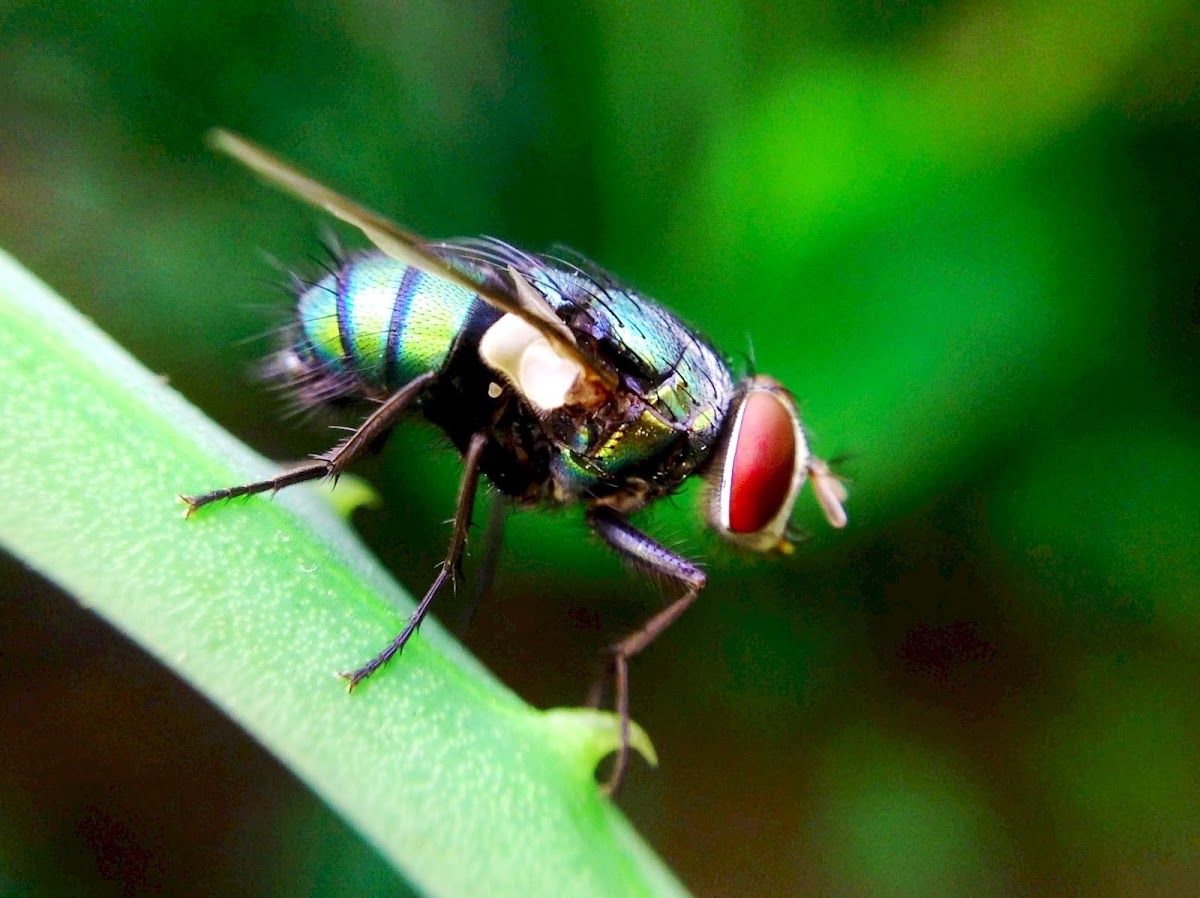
(681, 387)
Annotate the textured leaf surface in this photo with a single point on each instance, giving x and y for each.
(464, 787)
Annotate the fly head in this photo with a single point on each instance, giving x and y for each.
(762, 462)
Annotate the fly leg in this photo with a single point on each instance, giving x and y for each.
(493, 541)
(450, 568)
(643, 552)
(333, 462)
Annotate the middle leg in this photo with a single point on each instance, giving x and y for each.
(451, 566)
(493, 541)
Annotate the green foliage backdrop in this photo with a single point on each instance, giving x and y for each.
(965, 234)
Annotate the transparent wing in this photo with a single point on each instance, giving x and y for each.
(519, 299)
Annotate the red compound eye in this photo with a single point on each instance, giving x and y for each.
(764, 462)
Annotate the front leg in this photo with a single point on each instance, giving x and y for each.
(643, 552)
(333, 462)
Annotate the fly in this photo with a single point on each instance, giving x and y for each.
(555, 382)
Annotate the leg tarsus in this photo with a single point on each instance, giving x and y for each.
(311, 471)
(620, 665)
(396, 646)
(449, 567)
(327, 464)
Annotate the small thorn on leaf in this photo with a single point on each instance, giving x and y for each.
(590, 735)
(352, 493)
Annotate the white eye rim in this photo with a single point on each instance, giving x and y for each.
(772, 534)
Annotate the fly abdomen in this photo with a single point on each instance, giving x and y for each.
(371, 326)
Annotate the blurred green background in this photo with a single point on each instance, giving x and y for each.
(965, 234)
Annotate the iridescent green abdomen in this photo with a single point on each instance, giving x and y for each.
(375, 323)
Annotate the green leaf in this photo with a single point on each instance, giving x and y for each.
(462, 785)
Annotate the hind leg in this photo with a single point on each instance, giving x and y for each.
(643, 552)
